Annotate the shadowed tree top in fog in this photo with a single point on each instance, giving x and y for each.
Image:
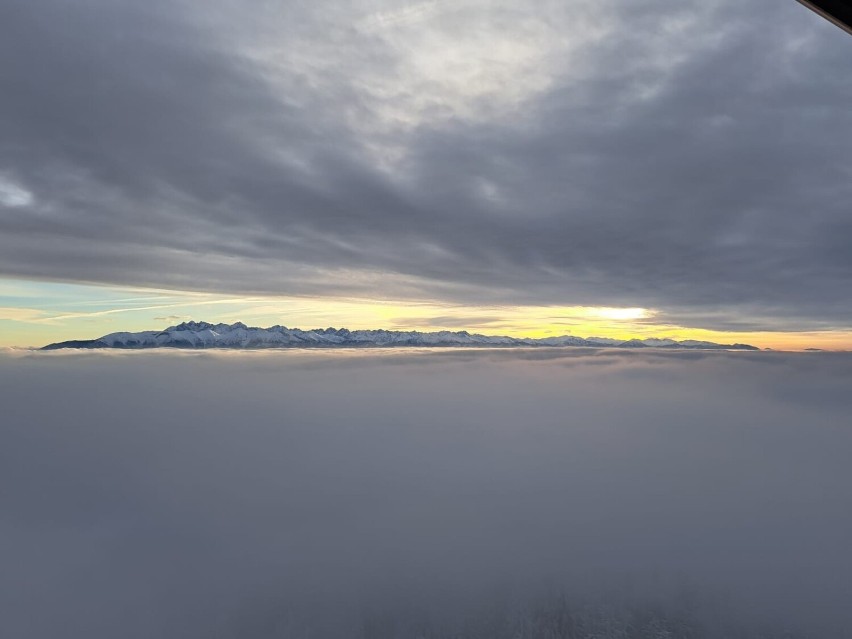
(690, 158)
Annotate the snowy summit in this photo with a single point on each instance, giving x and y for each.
(201, 335)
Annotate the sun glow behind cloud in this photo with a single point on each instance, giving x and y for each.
(618, 313)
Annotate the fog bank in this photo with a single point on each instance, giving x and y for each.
(175, 494)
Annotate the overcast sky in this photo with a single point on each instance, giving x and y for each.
(694, 157)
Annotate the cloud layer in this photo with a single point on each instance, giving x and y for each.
(190, 495)
(695, 159)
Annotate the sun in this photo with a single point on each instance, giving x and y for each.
(625, 314)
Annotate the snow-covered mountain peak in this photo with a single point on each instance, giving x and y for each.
(200, 335)
(190, 326)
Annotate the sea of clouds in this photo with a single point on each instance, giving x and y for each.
(383, 494)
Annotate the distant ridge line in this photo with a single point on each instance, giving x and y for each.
(204, 335)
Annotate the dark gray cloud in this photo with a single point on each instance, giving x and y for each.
(695, 159)
(240, 495)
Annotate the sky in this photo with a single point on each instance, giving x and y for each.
(602, 167)
(227, 494)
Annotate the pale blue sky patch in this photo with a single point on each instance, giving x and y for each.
(33, 313)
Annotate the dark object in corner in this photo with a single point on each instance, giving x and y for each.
(837, 11)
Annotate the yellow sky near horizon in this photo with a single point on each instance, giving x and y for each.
(33, 314)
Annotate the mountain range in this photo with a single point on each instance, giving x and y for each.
(201, 335)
